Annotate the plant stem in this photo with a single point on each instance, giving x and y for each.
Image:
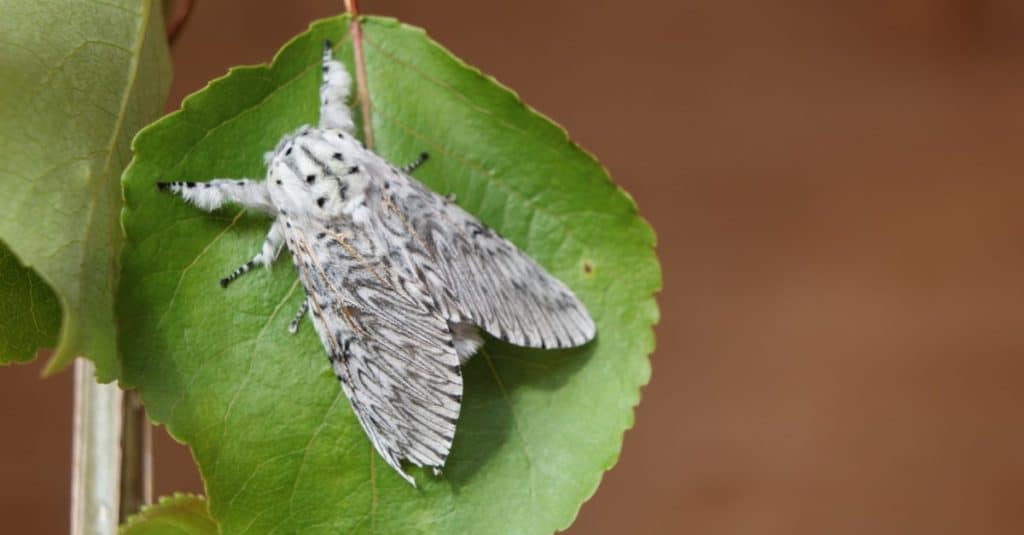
(136, 457)
(96, 454)
(363, 91)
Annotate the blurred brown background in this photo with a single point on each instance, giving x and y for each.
(836, 188)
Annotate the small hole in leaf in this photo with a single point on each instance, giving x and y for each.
(588, 268)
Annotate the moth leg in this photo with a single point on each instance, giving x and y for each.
(211, 195)
(293, 327)
(334, 89)
(268, 253)
(412, 166)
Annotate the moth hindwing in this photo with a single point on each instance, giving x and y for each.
(399, 280)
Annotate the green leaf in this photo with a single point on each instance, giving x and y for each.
(173, 515)
(29, 312)
(276, 441)
(79, 79)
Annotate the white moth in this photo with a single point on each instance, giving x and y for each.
(398, 278)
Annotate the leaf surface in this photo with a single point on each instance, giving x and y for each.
(275, 439)
(180, 514)
(79, 79)
(29, 312)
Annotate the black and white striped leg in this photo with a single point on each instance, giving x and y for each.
(410, 167)
(242, 270)
(334, 89)
(211, 195)
(268, 253)
(293, 327)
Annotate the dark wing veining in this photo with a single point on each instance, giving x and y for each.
(496, 286)
(388, 344)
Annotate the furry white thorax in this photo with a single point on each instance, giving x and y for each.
(318, 173)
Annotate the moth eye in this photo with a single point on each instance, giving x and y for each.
(337, 156)
(320, 202)
(278, 182)
(287, 152)
(310, 178)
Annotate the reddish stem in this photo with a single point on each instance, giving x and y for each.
(363, 91)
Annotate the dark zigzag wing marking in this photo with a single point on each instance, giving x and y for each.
(496, 285)
(389, 346)
(407, 254)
